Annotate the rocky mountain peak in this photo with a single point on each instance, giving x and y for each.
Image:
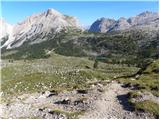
(52, 11)
(145, 19)
(122, 19)
(5, 28)
(146, 13)
(103, 19)
(120, 24)
(101, 25)
(37, 27)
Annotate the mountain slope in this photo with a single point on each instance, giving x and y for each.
(102, 25)
(117, 47)
(39, 27)
(5, 31)
(5, 28)
(120, 45)
(145, 19)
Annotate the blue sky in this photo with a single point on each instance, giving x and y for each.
(86, 12)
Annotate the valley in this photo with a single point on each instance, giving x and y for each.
(36, 85)
(52, 68)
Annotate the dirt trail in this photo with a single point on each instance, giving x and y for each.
(113, 104)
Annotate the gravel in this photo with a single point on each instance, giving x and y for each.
(112, 104)
(106, 104)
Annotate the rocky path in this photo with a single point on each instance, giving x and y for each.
(101, 102)
(113, 104)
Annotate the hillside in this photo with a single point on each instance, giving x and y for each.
(38, 28)
(146, 19)
(128, 47)
(52, 69)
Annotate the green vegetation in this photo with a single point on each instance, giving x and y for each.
(144, 106)
(58, 72)
(134, 94)
(95, 65)
(66, 62)
(152, 68)
(116, 47)
(148, 106)
(148, 80)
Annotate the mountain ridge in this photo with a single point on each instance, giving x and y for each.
(136, 41)
(141, 20)
(39, 26)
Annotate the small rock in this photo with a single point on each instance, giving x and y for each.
(100, 90)
(41, 109)
(99, 85)
(93, 86)
(76, 102)
(82, 91)
(64, 101)
(133, 79)
(87, 67)
(137, 76)
(126, 85)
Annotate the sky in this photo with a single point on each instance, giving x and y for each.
(86, 12)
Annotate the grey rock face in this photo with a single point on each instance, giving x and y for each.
(36, 27)
(145, 19)
(121, 24)
(5, 28)
(102, 25)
